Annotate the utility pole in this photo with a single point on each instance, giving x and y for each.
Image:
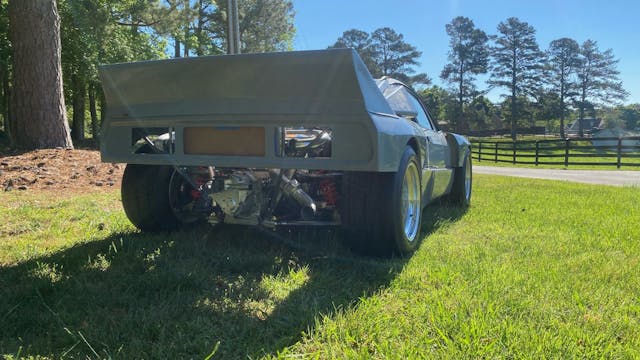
(233, 28)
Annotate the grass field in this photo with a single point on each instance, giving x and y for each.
(534, 269)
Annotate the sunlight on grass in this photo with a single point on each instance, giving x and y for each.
(281, 285)
(534, 269)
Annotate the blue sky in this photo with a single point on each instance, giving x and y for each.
(613, 24)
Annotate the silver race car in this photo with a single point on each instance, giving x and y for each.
(279, 140)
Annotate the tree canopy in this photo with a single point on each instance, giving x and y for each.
(96, 32)
(468, 56)
(563, 55)
(598, 81)
(385, 53)
(517, 63)
(566, 81)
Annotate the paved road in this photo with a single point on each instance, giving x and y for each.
(605, 177)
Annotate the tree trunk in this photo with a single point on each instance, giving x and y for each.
(103, 105)
(185, 44)
(176, 47)
(460, 123)
(37, 99)
(95, 125)
(513, 95)
(3, 99)
(199, 28)
(583, 104)
(562, 134)
(10, 124)
(562, 93)
(79, 94)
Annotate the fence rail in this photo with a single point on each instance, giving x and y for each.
(610, 151)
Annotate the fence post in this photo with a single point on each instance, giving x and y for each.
(619, 152)
(514, 151)
(537, 149)
(496, 152)
(566, 152)
(480, 151)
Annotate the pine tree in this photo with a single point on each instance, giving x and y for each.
(38, 101)
(468, 56)
(517, 63)
(563, 55)
(598, 80)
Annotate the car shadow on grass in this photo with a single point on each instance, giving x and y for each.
(233, 290)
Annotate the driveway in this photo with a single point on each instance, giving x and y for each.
(604, 177)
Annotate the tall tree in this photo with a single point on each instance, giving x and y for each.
(468, 56)
(94, 32)
(598, 80)
(265, 25)
(361, 42)
(563, 55)
(38, 100)
(5, 61)
(517, 63)
(385, 53)
(396, 58)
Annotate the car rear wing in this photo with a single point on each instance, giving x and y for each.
(239, 110)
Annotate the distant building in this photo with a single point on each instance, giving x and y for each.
(589, 125)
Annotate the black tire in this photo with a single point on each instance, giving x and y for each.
(372, 207)
(462, 183)
(149, 200)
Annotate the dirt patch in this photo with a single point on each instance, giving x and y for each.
(58, 170)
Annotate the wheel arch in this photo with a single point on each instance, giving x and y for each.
(420, 152)
(459, 146)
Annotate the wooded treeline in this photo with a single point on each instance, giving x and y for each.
(567, 80)
(94, 32)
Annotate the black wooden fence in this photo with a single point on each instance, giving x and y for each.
(612, 151)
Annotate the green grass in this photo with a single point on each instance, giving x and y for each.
(534, 269)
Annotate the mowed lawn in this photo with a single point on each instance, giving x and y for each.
(534, 269)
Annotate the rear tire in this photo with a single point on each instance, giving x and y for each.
(150, 194)
(381, 211)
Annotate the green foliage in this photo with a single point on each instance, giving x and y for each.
(361, 42)
(266, 25)
(440, 103)
(598, 81)
(482, 114)
(468, 56)
(95, 32)
(627, 117)
(517, 62)
(200, 26)
(563, 60)
(385, 53)
(630, 114)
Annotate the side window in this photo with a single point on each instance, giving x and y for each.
(405, 104)
(422, 117)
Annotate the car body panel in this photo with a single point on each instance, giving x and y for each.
(230, 95)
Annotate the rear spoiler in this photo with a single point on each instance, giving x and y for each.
(240, 102)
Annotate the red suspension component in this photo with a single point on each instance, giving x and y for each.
(200, 177)
(329, 191)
